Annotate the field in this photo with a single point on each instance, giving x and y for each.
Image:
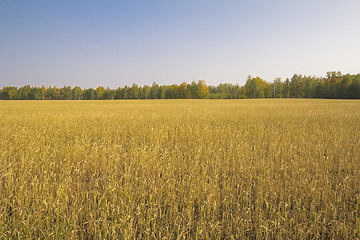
(180, 169)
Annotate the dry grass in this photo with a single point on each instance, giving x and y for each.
(180, 169)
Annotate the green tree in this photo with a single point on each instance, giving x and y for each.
(155, 91)
(296, 86)
(89, 94)
(163, 90)
(66, 93)
(183, 90)
(52, 93)
(100, 91)
(147, 92)
(134, 91)
(9, 93)
(35, 94)
(354, 91)
(278, 88)
(43, 92)
(286, 88)
(173, 92)
(256, 87)
(24, 92)
(77, 93)
(118, 93)
(334, 80)
(109, 94)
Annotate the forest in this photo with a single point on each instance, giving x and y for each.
(334, 86)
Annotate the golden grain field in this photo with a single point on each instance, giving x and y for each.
(180, 169)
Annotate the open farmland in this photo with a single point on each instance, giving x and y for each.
(180, 169)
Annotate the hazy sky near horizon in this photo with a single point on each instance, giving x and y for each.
(112, 43)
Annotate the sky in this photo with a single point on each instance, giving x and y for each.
(113, 43)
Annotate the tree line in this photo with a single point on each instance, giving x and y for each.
(334, 85)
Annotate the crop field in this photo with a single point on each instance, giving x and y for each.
(180, 169)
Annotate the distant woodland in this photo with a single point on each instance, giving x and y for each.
(334, 85)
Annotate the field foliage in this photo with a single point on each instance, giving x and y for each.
(180, 169)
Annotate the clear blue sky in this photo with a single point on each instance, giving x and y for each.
(116, 42)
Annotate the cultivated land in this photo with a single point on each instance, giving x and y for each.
(180, 169)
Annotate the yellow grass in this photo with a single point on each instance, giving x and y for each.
(180, 169)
